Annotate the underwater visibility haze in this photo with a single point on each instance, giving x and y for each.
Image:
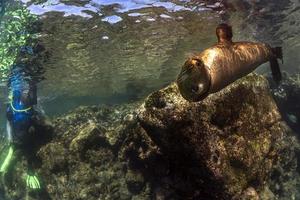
(88, 100)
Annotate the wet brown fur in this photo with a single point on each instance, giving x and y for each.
(228, 61)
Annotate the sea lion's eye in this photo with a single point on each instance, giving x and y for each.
(196, 62)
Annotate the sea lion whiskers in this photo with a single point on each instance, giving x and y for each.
(187, 67)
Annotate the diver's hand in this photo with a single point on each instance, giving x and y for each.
(33, 182)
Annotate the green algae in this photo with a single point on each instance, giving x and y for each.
(14, 26)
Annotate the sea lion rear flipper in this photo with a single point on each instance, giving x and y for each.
(276, 73)
(277, 51)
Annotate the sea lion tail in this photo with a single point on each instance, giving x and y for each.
(276, 73)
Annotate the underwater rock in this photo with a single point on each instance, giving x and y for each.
(91, 169)
(225, 143)
(232, 145)
(284, 180)
(287, 97)
(249, 194)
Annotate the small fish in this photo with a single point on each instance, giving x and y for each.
(222, 64)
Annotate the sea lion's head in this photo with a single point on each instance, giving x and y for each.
(194, 80)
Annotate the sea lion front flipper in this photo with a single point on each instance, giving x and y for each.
(276, 73)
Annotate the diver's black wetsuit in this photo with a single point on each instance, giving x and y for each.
(20, 112)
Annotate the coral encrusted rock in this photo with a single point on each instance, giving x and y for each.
(232, 145)
(226, 144)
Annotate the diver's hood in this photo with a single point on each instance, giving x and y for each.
(194, 80)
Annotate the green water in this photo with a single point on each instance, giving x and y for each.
(119, 51)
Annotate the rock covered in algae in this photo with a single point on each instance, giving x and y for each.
(82, 162)
(287, 97)
(232, 145)
(225, 143)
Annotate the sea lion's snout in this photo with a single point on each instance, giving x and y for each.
(194, 80)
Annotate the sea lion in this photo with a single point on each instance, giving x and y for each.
(220, 65)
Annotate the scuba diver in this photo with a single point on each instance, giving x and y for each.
(21, 113)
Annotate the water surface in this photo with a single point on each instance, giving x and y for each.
(118, 51)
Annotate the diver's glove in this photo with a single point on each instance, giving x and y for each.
(32, 181)
(7, 160)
